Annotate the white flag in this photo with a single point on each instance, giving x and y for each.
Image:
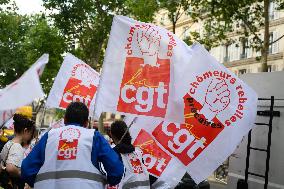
(24, 90)
(75, 81)
(5, 116)
(148, 71)
(203, 109)
(159, 162)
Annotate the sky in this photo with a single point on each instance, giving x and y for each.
(29, 6)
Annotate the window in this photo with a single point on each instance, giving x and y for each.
(269, 68)
(275, 44)
(226, 53)
(163, 18)
(270, 40)
(272, 68)
(242, 71)
(244, 49)
(234, 52)
(271, 10)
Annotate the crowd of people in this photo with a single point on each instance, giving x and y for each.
(71, 156)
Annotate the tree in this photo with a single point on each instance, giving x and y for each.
(250, 15)
(86, 25)
(12, 56)
(175, 9)
(42, 38)
(142, 10)
(23, 40)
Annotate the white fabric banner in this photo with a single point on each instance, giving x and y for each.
(9, 124)
(5, 116)
(75, 81)
(202, 109)
(23, 91)
(136, 75)
(159, 162)
(183, 147)
(156, 71)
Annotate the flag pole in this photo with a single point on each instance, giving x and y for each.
(133, 121)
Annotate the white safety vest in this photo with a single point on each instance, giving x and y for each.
(136, 175)
(68, 161)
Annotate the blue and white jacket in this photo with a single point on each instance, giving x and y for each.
(69, 157)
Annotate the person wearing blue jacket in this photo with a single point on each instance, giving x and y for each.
(69, 157)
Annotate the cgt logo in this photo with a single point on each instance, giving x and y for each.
(74, 92)
(144, 88)
(80, 87)
(154, 158)
(68, 143)
(135, 164)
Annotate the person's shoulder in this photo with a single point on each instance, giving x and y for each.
(16, 147)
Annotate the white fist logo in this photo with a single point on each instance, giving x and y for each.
(217, 98)
(85, 75)
(148, 39)
(70, 134)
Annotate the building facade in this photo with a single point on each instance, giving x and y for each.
(237, 56)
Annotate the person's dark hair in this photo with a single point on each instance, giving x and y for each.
(22, 122)
(118, 129)
(76, 113)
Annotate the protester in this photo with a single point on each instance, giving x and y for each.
(12, 153)
(136, 174)
(73, 155)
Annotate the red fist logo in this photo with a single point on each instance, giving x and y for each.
(217, 98)
(148, 39)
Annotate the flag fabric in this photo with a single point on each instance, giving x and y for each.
(75, 81)
(158, 161)
(24, 90)
(5, 116)
(136, 75)
(190, 105)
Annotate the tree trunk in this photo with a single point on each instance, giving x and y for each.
(266, 36)
(174, 27)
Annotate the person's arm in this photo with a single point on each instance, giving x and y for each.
(14, 159)
(34, 161)
(102, 152)
(13, 170)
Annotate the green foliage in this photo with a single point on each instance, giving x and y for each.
(142, 10)
(59, 113)
(221, 18)
(12, 55)
(22, 41)
(42, 38)
(85, 24)
(175, 9)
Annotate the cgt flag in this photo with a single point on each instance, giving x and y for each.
(218, 110)
(159, 162)
(203, 109)
(75, 81)
(136, 75)
(147, 71)
(24, 90)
